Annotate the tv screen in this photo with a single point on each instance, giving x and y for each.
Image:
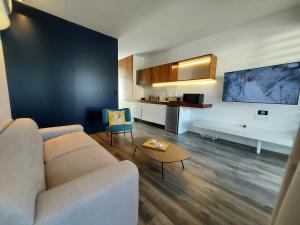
(279, 84)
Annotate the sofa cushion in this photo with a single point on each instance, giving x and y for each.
(22, 175)
(75, 164)
(53, 132)
(66, 143)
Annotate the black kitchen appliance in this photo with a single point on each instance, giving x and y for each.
(193, 98)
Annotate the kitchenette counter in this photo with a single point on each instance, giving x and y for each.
(177, 103)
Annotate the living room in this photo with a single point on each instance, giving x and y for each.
(146, 113)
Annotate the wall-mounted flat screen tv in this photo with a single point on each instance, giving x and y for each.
(279, 84)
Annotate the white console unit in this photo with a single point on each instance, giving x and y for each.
(261, 135)
(154, 113)
(136, 111)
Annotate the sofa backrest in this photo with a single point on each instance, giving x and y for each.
(22, 174)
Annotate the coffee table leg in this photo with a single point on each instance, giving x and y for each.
(182, 164)
(162, 170)
(134, 151)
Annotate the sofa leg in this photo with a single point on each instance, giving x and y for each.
(111, 137)
(131, 136)
(124, 133)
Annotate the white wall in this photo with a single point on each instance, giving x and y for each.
(270, 41)
(4, 98)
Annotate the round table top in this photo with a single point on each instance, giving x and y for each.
(174, 153)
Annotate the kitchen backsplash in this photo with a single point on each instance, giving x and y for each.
(209, 89)
(162, 92)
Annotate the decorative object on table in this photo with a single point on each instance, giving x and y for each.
(156, 145)
(173, 99)
(117, 121)
(173, 154)
(151, 98)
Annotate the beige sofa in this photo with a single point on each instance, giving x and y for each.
(61, 176)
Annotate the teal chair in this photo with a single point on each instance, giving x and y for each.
(120, 128)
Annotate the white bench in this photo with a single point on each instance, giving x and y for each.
(261, 135)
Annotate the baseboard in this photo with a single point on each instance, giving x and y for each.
(149, 123)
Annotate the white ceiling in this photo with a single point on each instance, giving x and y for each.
(144, 26)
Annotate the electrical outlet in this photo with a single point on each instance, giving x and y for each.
(262, 115)
(263, 112)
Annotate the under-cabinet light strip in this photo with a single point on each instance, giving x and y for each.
(179, 83)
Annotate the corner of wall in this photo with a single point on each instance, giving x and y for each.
(5, 111)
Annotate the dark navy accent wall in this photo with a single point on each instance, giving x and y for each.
(58, 72)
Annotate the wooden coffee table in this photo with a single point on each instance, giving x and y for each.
(174, 153)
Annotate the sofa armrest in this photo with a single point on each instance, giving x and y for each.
(52, 132)
(107, 196)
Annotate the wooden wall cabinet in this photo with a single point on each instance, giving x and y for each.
(189, 69)
(144, 77)
(156, 74)
(213, 67)
(161, 73)
(202, 67)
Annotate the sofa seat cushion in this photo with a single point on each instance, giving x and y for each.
(66, 143)
(75, 164)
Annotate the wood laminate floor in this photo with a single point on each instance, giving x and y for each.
(223, 183)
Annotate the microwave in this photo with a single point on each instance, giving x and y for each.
(193, 98)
